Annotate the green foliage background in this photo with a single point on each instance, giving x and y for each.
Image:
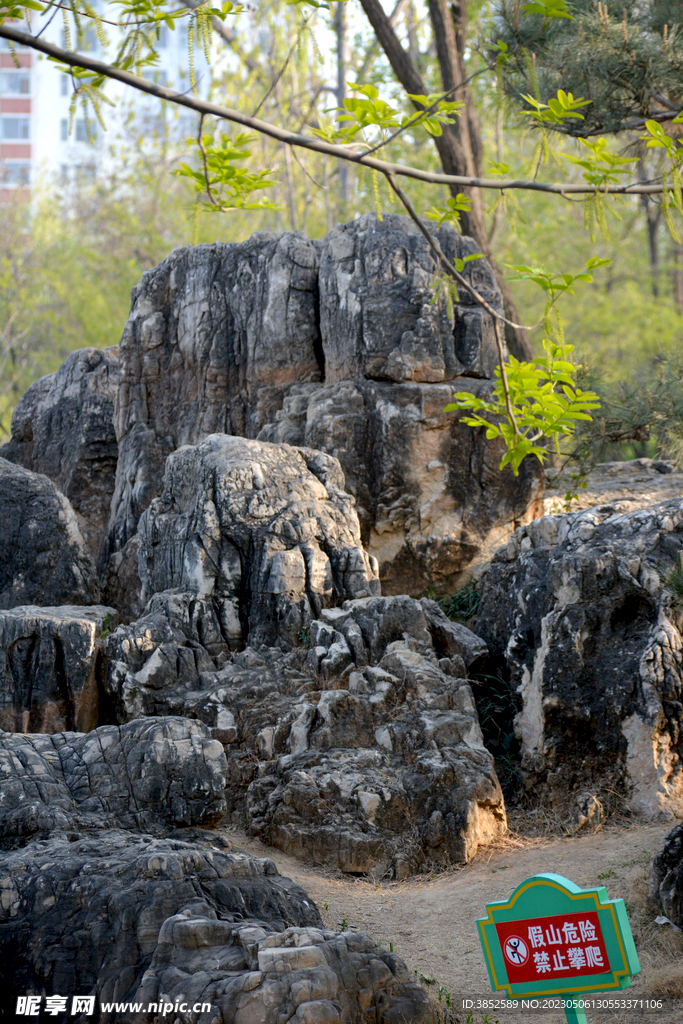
(69, 259)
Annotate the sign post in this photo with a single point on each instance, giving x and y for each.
(551, 938)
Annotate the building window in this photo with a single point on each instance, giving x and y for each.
(15, 83)
(15, 174)
(162, 41)
(86, 131)
(64, 85)
(15, 128)
(83, 132)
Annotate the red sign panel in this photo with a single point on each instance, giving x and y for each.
(564, 946)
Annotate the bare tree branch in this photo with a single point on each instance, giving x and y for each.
(349, 153)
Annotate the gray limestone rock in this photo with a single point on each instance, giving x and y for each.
(335, 346)
(63, 426)
(43, 557)
(265, 533)
(431, 499)
(163, 921)
(377, 317)
(362, 748)
(51, 667)
(148, 775)
(215, 335)
(576, 606)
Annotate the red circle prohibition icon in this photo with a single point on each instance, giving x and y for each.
(516, 950)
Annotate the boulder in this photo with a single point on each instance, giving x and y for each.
(378, 319)
(43, 557)
(360, 748)
(577, 609)
(63, 427)
(216, 334)
(665, 894)
(431, 499)
(188, 928)
(51, 667)
(148, 775)
(264, 533)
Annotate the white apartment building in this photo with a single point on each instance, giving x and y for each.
(35, 140)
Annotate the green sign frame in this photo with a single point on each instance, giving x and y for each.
(586, 934)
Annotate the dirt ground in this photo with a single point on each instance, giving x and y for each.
(430, 920)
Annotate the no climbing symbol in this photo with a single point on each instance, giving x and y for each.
(516, 951)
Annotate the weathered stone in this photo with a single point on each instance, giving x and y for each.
(121, 584)
(134, 919)
(51, 667)
(665, 893)
(366, 812)
(63, 427)
(235, 339)
(362, 749)
(265, 533)
(577, 609)
(215, 335)
(377, 315)
(431, 499)
(147, 775)
(43, 557)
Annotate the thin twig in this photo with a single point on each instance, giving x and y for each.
(281, 72)
(425, 110)
(200, 143)
(497, 317)
(447, 265)
(504, 377)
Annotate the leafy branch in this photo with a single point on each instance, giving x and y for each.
(348, 153)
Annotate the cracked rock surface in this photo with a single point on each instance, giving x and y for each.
(51, 671)
(577, 607)
(43, 557)
(362, 750)
(136, 919)
(63, 426)
(215, 335)
(147, 775)
(264, 533)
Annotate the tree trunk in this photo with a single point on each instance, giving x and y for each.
(459, 147)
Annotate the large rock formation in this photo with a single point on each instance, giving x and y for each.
(336, 347)
(215, 336)
(577, 608)
(187, 928)
(264, 533)
(64, 427)
(43, 557)
(51, 667)
(148, 775)
(362, 749)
